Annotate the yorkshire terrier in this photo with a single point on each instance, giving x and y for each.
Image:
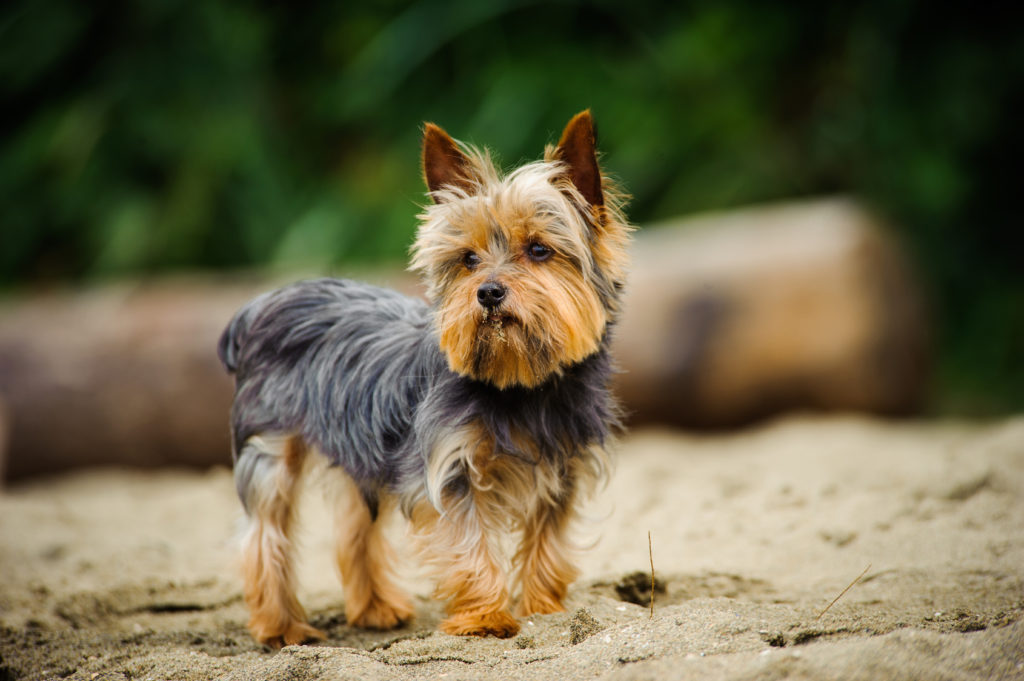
(486, 411)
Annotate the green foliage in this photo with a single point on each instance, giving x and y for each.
(151, 135)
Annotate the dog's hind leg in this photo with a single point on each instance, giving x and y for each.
(365, 560)
(268, 472)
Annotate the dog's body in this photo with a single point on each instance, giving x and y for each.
(483, 412)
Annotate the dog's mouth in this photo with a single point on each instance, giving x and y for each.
(494, 323)
(497, 318)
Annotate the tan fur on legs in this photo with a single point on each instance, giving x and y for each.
(276, 617)
(472, 582)
(365, 560)
(545, 558)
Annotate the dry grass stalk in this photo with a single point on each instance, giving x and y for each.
(849, 586)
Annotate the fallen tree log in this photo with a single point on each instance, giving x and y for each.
(727, 319)
(745, 314)
(118, 375)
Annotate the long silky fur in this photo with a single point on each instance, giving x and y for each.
(356, 371)
(473, 424)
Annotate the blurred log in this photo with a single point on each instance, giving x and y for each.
(727, 319)
(124, 374)
(742, 315)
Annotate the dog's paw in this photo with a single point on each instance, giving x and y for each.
(379, 614)
(294, 633)
(501, 624)
(539, 606)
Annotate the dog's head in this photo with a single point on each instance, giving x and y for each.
(524, 269)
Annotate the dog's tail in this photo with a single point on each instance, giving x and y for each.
(229, 347)
(229, 344)
(285, 322)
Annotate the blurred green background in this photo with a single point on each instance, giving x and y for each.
(154, 135)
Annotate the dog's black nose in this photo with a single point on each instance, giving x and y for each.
(490, 294)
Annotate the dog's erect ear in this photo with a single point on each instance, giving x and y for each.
(444, 164)
(577, 150)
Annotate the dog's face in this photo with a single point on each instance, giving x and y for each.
(524, 270)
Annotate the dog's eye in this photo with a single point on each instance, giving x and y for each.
(470, 260)
(538, 252)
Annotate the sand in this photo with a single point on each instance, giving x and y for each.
(129, 575)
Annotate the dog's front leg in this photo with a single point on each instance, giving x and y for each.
(545, 556)
(457, 544)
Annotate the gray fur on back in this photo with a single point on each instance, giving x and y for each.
(357, 372)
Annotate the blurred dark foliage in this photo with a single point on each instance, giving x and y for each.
(152, 135)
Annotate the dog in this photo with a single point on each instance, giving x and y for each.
(484, 412)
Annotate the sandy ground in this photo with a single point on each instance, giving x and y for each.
(128, 575)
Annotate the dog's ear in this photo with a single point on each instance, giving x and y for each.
(578, 150)
(444, 164)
